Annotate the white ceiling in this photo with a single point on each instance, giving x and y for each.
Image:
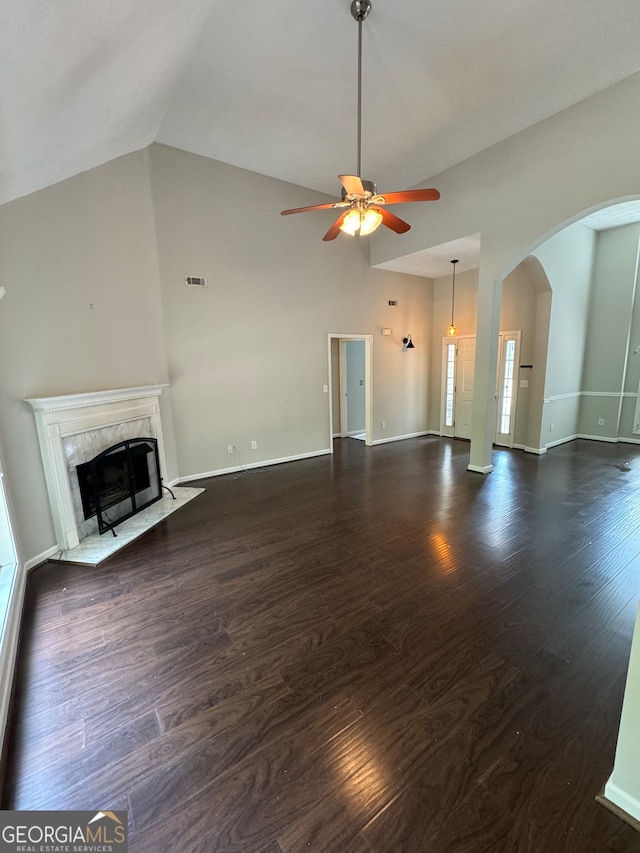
(436, 261)
(271, 86)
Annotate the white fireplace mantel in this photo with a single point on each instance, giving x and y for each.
(59, 417)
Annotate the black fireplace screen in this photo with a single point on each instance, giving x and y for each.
(120, 481)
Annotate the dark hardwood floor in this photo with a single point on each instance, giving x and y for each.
(377, 651)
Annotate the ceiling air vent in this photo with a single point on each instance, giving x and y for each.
(195, 280)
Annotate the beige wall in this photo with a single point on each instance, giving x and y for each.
(248, 354)
(610, 368)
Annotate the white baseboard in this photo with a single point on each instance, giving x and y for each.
(480, 469)
(235, 468)
(623, 800)
(605, 438)
(399, 437)
(612, 440)
(539, 451)
(560, 441)
(41, 558)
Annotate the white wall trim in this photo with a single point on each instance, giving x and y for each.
(564, 440)
(620, 798)
(621, 439)
(41, 558)
(615, 394)
(539, 451)
(235, 468)
(606, 438)
(402, 437)
(481, 469)
(570, 396)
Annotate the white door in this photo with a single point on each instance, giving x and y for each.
(465, 370)
(507, 387)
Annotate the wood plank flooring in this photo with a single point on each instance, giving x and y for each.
(376, 651)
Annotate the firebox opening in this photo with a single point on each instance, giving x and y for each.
(120, 481)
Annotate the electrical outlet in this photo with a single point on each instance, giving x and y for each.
(550, 427)
(254, 445)
(600, 421)
(524, 383)
(383, 424)
(229, 449)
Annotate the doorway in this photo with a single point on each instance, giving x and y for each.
(350, 387)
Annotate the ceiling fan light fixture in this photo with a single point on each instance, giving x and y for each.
(370, 220)
(361, 222)
(351, 222)
(360, 196)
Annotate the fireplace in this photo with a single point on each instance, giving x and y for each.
(74, 429)
(120, 482)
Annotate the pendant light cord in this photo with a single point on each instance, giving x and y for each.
(358, 169)
(453, 289)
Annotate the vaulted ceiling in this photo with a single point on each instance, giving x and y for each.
(271, 86)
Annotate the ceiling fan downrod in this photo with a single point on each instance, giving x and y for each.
(359, 11)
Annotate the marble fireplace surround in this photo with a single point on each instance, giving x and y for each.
(74, 428)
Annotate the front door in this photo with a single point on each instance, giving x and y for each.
(465, 369)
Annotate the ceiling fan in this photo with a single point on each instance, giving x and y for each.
(363, 205)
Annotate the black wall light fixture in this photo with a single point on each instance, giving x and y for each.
(407, 343)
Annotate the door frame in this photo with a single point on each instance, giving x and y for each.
(368, 383)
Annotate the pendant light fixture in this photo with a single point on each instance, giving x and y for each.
(452, 330)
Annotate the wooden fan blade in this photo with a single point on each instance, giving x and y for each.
(406, 196)
(312, 207)
(392, 221)
(333, 232)
(352, 184)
